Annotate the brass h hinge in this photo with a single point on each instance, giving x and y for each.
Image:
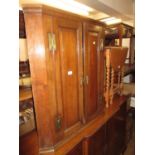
(51, 42)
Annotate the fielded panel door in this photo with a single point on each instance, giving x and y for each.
(93, 69)
(68, 34)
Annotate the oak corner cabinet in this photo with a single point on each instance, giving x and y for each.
(67, 71)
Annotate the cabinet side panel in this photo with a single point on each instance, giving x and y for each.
(43, 86)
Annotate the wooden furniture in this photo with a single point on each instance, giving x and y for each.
(26, 109)
(28, 140)
(130, 122)
(114, 57)
(77, 150)
(22, 33)
(129, 69)
(67, 84)
(28, 144)
(104, 129)
(66, 56)
(24, 68)
(115, 35)
(97, 143)
(93, 68)
(27, 128)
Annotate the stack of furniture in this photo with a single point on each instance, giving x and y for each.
(66, 57)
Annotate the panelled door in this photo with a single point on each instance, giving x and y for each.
(69, 70)
(93, 69)
(97, 142)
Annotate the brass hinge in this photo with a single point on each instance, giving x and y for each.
(51, 42)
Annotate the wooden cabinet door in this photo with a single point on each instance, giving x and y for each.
(97, 142)
(111, 137)
(77, 150)
(120, 127)
(93, 69)
(69, 70)
(116, 133)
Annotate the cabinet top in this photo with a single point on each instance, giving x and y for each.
(44, 9)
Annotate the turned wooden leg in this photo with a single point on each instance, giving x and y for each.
(106, 95)
(119, 80)
(107, 83)
(121, 83)
(111, 86)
